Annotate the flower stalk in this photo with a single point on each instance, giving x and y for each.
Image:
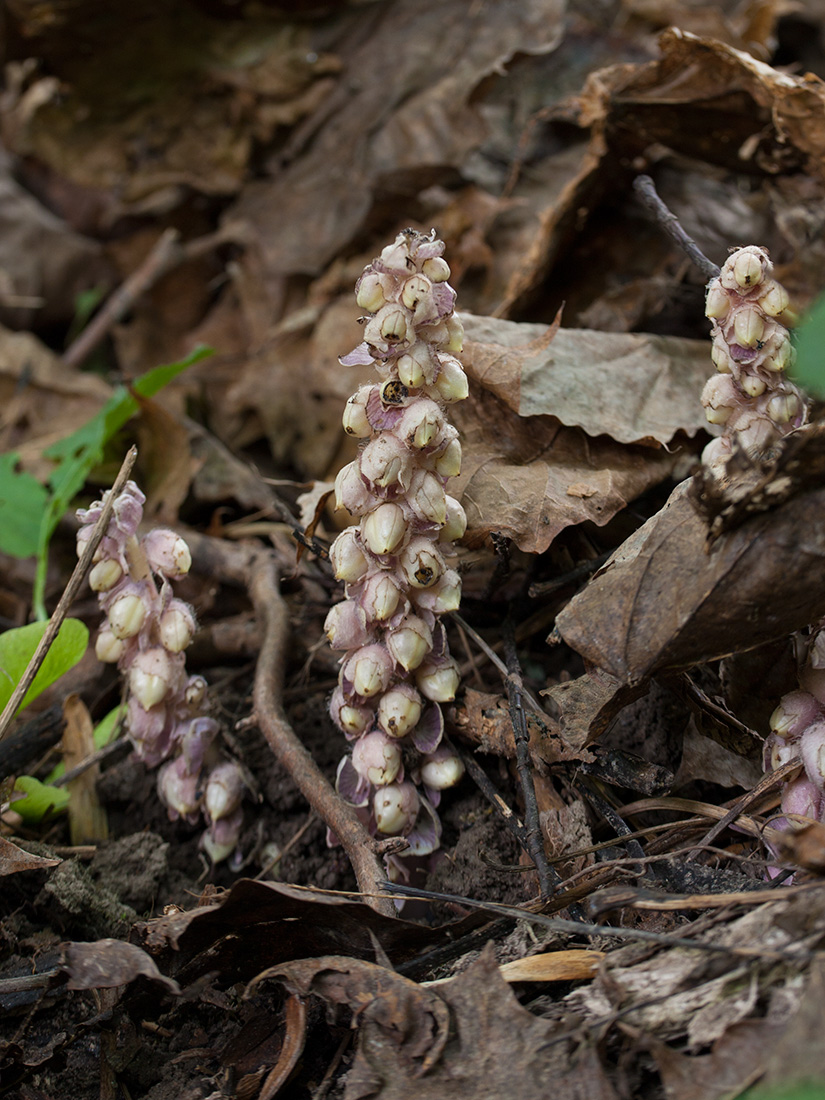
(396, 668)
(145, 632)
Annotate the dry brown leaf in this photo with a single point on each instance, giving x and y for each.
(14, 859)
(666, 601)
(41, 401)
(105, 964)
(404, 110)
(736, 1061)
(633, 387)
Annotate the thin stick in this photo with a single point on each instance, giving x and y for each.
(167, 253)
(535, 844)
(69, 593)
(269, 674)
(646, 191)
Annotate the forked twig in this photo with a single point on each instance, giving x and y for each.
(69, 593)
(359, 846)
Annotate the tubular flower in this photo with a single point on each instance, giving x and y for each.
(145, 631)
(749, 396)
(396, 668)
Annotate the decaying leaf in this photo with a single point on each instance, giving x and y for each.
(664, 600)
(88, 823)
(14, 859)
(634, 387)
(105, 964)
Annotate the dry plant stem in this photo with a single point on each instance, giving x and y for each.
(479, 777)
(66, 600)
(646, 192)
(535, 844)
(167, 253)
(341, 818)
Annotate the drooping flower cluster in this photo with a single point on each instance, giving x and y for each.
(798, 734)
(145, 632)
(749, 395)
(397, 669)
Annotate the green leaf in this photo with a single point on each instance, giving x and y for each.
(17, 648)
(809, 371)
(23, 501)
(39, 800)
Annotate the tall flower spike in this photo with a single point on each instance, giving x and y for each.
(396, 564)
(751, 349)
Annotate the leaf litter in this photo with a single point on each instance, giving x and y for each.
(303, 143)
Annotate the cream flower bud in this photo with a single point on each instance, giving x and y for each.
(409, 642)
(421, 424)
(748, 266)
(774, 299)
(753, 385)
(176, 626)
(427, 498)
(108, 648)
(455, 333)
(224, 790)
(441, 769)
(391, 327)
(396, 808)
(127, 615)
(369, 294)
(355, 414)
(720, 356)
(783, 407)
(416, 288)
(436, 269)
(438, 681)
(451, 383)
(151, 675)
(348, 560)
(448, 463)
(416, 367)
(443, 596)
(748, 326)
(105, 575)
(178, 790)
(720, 397)
(782, 357)
(368, 670)
(346, 625)
(353, 719)
(194, 692)
(421, 563)
(377, 758)
(383, 530)
(455, 523)
(380, 597)
(796, 711)
(384, 461)
(399, 710)
(717, 303)
(167, 553)
(351, 492)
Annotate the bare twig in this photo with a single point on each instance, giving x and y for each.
(645, 189)
(340, 817)
(168, 252)
(71, 590)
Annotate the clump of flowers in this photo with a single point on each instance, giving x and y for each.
(397, 561)
(145, 632)
(750, 394)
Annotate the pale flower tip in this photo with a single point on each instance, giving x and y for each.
(105, 575)
(377, 758)
(442, 769)
(399, 710)
(436, 269)
(396, 808)
(749, 326)
(717, 303)
(384, 528)
(167, 553)
(176, 626)
(108, 648)
(749, 266)
(127, 616)
(349, 563)
(150, 676)
(438, 681)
